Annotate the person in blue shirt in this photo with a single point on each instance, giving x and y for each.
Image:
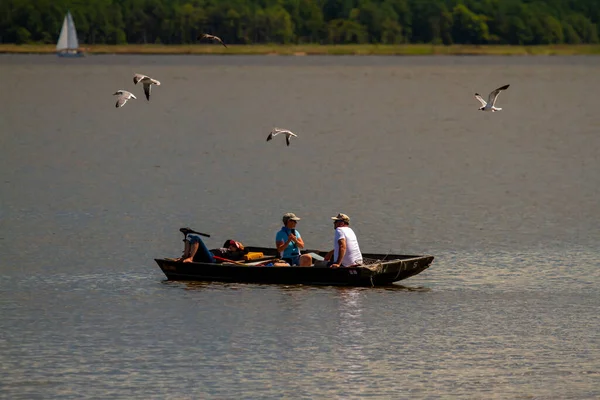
(289, 242)
(195, 249)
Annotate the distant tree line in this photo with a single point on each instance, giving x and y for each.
(305, 21)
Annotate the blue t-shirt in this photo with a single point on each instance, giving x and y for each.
(292, 249)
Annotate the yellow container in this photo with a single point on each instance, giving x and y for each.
(253, 255)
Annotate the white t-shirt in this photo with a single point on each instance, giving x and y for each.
(353, 254)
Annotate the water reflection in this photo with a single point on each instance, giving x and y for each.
(203, 285)
(402, 288)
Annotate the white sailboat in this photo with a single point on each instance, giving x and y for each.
(68, 45)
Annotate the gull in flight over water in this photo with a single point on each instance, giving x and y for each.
(124, 95)
(213, 37)
(490, 105)
(277, 131)
(147, 82)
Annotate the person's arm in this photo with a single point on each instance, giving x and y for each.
(341, 253)
(281, 244)
(299, 241)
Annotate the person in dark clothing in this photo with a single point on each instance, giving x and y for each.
(196, 251)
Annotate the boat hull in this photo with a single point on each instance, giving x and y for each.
(394, 268)
(70, 55)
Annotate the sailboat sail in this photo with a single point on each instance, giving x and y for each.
(73, 42)
(63, 41)
(68, 35)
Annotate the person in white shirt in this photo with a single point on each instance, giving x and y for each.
(346, 252)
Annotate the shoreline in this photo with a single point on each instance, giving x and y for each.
(316, 49)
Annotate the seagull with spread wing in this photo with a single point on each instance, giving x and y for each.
(491, 103)
(277, 131)
(124, 95)
(212, 37)
(147, 82)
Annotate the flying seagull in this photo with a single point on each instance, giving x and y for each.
(147, 82)
(124, 95)
(490, 105)
(277, 131)
(213, 37)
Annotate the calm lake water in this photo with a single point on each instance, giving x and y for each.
(508, 203)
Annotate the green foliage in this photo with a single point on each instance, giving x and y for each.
(571, 36)
(391, 32)
(468, 27)
(526, 22)
(22, 35)
(344, 31)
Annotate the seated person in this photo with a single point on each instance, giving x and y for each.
(289, 242)
(346, 252)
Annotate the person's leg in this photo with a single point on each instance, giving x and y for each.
(294, 261)
(323, 264)
(305, 260)
(281, 264)
(186, 251)
(193, 248)
(199, 251)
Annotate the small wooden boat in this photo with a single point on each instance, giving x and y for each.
(378, 270)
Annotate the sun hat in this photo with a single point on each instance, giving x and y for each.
(231, 242)
(341, 217)
(288, 216)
